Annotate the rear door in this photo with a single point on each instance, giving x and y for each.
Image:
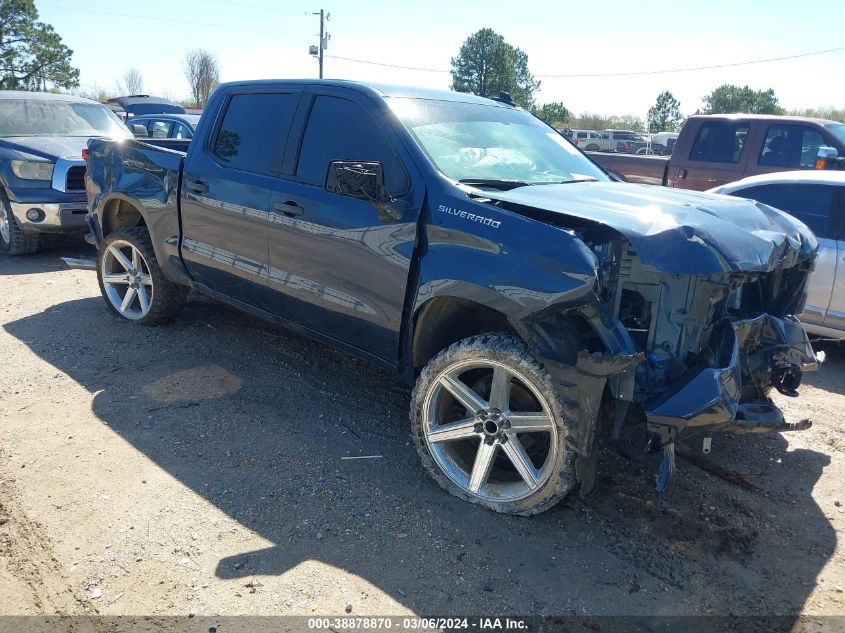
(718, 155)
(814, 205)
(339, 265)
(226, 189)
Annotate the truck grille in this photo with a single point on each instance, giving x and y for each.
(75, 179)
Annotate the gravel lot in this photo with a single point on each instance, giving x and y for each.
(199, 468)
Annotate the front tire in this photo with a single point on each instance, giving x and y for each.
(489, 427)
(131, 280)
(13, 241)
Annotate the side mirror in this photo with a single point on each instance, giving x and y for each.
(357, 179)
(827, 156)
(138, 130)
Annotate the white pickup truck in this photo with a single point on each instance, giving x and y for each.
(609, 139)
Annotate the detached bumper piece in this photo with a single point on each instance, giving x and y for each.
(757, 353)
(766, 351)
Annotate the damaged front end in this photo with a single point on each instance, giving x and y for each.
(692, 354)
(690, 325)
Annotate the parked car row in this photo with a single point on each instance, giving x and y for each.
(525, 293)
(626, 141)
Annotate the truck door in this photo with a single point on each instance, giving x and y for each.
(339, 264)
(814, 206)
(785, 147)
(718, 156)
(226, 189)
(835, 317)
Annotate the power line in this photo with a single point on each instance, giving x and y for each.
(257, 6)
(618, 74)
(695, 68)
(136, 16)
(364, 61)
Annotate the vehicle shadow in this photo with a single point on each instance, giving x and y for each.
(830, 378)
(46, 260)
(257, 421)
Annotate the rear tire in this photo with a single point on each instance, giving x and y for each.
(131, 281)
(13, 241)
(502, 447)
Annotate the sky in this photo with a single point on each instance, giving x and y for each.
(270, 39)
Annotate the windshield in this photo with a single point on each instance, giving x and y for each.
(469, 141)
(838, 130)
(30, 117)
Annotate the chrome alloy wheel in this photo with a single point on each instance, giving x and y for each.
(127, 280)
(5, 228)
(490, 430)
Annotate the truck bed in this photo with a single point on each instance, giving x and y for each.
(145, 176)
(639, 168)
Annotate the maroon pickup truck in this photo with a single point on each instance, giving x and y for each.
(719, 148)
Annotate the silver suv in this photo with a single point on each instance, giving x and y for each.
(817, 198)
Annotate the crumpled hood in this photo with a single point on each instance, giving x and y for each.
(679, 231)
(47, 147)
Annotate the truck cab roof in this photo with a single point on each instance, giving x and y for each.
(374, 89)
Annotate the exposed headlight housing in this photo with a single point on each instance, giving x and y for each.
(32, 169)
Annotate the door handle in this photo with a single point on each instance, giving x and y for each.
(197, 186)
(289, 208)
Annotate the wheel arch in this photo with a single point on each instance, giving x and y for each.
(447, 319)
(119, 212)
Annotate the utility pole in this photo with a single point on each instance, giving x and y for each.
(323, 37)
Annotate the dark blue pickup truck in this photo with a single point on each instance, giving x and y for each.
(537, 305)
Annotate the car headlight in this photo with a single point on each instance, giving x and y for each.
(32, 170)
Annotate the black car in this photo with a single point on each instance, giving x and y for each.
(179, 126)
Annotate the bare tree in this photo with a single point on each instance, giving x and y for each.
(134, 81)
(202, 70)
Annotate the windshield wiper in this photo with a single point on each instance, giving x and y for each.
(493, 183)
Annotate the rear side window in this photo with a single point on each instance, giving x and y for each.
(809, 203)
(159, 129)
(180, 130)
(791, 146)
(719, 142)
(339, 129)
(254, 130)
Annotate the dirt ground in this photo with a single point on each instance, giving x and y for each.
(199, 468)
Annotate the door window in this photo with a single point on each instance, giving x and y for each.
(159, 129)
(791, 146)
(719, 142)
(809, 203)
(180, 130)
(254, 131)
(339, 129)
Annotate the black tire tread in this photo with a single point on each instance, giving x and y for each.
(20, 243)
(501, 345)
(168, 297)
